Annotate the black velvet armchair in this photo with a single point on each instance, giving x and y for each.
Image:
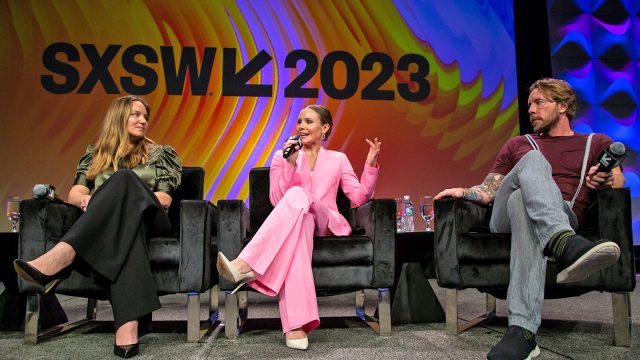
(363, 260)
(468, 256)
(180, 263)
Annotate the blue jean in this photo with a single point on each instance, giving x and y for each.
(529, 205)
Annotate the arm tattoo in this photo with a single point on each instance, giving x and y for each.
(470, 194)
(486, 191)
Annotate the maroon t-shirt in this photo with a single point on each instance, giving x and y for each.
(565, 154)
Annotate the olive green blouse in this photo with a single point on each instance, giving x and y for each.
(162, 171)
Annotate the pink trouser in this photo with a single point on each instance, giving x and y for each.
(280, 255)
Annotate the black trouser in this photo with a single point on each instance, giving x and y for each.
(111, 236)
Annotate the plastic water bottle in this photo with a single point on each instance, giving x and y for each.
(407, 218)
(399, 215)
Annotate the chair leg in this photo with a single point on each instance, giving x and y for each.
(243, 308)
(621, 318)
(230, 315)
(193, 317)
(196, 329)
(214, 303)
(384, 311)
(491, 305)
(32, 320)
(92, 309)
(360, 304)
(383, 324)
(451, 313)
(235, 313)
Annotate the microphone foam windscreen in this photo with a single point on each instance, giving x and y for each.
(617, 148)
(39, 190)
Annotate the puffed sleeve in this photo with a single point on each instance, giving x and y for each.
(168, 171)
(83, 167)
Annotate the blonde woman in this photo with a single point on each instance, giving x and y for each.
(123, 184)
(303, 188)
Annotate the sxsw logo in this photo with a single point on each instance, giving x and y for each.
(341, 73)
(174, 76)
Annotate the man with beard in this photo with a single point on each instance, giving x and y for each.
(536, 188)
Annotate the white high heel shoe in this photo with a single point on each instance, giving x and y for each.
(298, 344)
(229, 272)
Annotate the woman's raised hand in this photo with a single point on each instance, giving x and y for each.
(374, 150)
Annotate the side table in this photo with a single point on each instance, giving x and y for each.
(412, 298)
(13, 304)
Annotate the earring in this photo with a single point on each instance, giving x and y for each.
(324, 136)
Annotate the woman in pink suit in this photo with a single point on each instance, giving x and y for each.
(303, 191)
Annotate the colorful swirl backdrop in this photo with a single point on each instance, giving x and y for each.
(595, 46)
(448, 138)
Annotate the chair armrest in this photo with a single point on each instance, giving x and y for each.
(454, 216)
(615, 224)
(43, 222)
(233, 226)
(198, 222)
(377, 218)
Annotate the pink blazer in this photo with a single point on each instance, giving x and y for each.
(332, 169)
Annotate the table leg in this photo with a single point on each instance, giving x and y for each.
(413, 299)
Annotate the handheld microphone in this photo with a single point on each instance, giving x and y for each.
(611, 157)
(41, 191)
(288, 151)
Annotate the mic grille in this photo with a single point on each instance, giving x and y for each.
(39, 190)
(617, 148)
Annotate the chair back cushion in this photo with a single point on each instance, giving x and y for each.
(191, 188)
(260, 204)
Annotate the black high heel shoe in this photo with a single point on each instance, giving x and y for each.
(32, 275)
(126, 351)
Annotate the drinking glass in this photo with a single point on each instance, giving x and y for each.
(426, 210)
(13, 212)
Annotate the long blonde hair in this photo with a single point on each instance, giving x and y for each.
(113, 147)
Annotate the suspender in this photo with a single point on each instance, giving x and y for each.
(584, 168)
(535, 146)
